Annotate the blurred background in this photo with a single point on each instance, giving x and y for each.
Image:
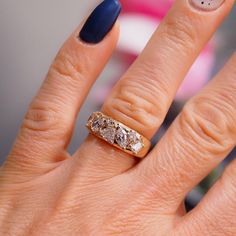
(33, 31)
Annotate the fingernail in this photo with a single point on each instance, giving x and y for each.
(100, 22)
(207, 5)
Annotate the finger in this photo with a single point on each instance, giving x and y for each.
(216, 213)
(144, 94)
(48, 125)
(199, 139)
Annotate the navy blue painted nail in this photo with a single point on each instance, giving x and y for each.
(100, 22)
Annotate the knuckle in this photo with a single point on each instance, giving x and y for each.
(206, 124)
(66, 66)
(146, 76)
(41, 118)
(139, 100)
(180, 32)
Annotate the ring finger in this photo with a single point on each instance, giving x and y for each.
(144, 94)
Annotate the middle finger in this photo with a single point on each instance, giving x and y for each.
(144, 94)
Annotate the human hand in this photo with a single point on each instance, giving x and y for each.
(101, 190)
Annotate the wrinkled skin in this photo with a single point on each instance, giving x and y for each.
(102, 191)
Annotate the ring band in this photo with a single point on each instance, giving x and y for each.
(118, 135)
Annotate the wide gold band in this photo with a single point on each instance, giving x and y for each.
(118, 135)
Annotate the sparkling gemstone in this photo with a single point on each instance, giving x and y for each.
(121, 137)
(97, 124)
(133, 137)
(137, 147)
(108, 122)
(108, 134)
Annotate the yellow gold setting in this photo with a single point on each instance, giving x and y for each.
(118, 135)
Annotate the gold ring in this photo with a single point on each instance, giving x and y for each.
(118, 135)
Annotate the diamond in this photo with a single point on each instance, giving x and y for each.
(121, 137)
(108, 134)
(133, 137)
(137, 147)
(135, 142)
(109, 122)
(97, 124)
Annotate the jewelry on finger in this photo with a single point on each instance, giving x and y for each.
(117, 134)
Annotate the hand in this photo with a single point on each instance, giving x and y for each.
(101, 190)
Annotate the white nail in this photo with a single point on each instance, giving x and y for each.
(207, 5)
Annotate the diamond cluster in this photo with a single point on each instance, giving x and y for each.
(115, 133)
